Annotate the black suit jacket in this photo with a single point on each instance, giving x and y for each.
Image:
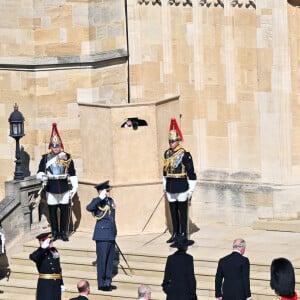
(79, 298)
(179, 279)
(232, 281)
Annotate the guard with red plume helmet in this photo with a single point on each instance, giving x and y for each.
(55, 139)
(179, 181)
(56, 169)
(175, 132)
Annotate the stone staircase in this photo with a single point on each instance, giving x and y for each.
(146, 263)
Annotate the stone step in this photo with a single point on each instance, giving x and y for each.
(27, 287)
(277, 225)
(24, 286)
(147, 264)
(138, 268)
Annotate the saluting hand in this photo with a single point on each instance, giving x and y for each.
(46, 243)
(102, 195)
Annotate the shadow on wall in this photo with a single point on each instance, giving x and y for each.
(75, 212)
(75, 215)
(25, 160)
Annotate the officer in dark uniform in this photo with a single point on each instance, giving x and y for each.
(56, 168)
(50, 283)
(105, 232)
(179, 181)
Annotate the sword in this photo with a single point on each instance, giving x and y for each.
(124, 258)
(153, 212)
(70, 214)
(156, 237)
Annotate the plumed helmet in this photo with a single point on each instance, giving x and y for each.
(55, 139)
(174, 131)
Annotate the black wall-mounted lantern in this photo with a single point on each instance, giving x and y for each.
(16, 123)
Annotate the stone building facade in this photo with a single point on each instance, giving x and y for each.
(227, 69)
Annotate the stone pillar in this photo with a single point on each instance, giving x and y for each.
(274, 99)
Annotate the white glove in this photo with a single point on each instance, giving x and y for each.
(72, 193)
(46, 243)
(192, 184)
(74, 182)
(42, 176)
(102, 195)
(164, 183)
(63, 288)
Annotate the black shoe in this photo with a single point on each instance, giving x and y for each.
(105, 288)
(173, 238)
(113, 287)
(64, 237)
(54, 235)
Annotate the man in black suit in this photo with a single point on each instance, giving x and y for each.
(83, 288)
(179, 281)
(232, 281)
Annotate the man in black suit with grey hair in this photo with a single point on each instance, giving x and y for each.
(232, 281)
(83, 288)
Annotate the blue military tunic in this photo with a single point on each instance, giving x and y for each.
(48, 263)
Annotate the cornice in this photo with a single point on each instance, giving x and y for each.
(95, 61)
(203, 3)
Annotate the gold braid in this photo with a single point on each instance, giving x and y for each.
(65, 163)
(105, 209)
(169, 162)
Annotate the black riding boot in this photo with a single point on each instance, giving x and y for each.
(53, 220)
(175, 221)
(64, 221)
(183, 215)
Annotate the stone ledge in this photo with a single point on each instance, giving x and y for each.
(95, 61)
(283, 225)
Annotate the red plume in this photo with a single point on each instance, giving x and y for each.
(174, 126)
(55, 136)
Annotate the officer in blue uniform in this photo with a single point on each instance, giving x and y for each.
(56, 169)
(105, 232)
(50, 283)
(179, 181)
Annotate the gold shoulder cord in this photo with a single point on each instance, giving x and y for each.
(65, 163)
(105, 209)
(169, 162)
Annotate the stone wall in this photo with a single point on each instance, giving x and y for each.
(233, 65)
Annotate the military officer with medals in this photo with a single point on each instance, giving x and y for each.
(46, 257)
(105, 232)
(56, 170)
(179, 181)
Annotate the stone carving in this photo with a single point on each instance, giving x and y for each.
(251, 3)
(246, 3)
(188, 2)
(176, 2)
(143, 1)
(207, 3)
(219, 2)
(237, 3)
